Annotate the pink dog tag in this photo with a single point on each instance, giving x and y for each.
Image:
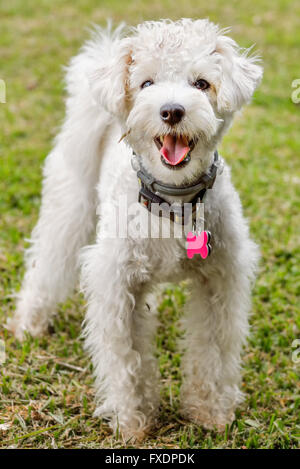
(198, 244)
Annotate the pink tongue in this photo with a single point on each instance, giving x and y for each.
(174, 149)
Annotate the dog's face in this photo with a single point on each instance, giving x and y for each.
(175, 88)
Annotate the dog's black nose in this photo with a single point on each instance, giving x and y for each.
(172, 113)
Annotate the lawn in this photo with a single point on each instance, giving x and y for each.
(46, 385)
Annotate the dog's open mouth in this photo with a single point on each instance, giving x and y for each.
(175, 150)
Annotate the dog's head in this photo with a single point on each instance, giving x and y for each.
(175, 88)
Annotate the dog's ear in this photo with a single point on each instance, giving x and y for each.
(240, 75)
(109, 84)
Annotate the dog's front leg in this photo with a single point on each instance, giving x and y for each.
(118, 336)
(216, 328)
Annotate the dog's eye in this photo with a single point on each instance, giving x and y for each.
(201, 84)
(146, 84)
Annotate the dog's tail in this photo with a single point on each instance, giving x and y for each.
(95, 54)
(88, 120)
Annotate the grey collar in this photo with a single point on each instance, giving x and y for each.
(151, 188)
(205, 181)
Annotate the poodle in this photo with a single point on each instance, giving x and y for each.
(146, 111)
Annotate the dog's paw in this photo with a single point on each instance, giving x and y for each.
(132, 435)
(19, 328)
(14, 326)
(210, 419)
(132, 427)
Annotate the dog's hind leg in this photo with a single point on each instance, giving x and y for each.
(65, 223)
(67, 218)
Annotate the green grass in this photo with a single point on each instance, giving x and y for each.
(46, 393)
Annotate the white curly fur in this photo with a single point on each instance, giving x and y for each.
(105, 100)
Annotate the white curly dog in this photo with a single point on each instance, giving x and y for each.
(171, 90)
